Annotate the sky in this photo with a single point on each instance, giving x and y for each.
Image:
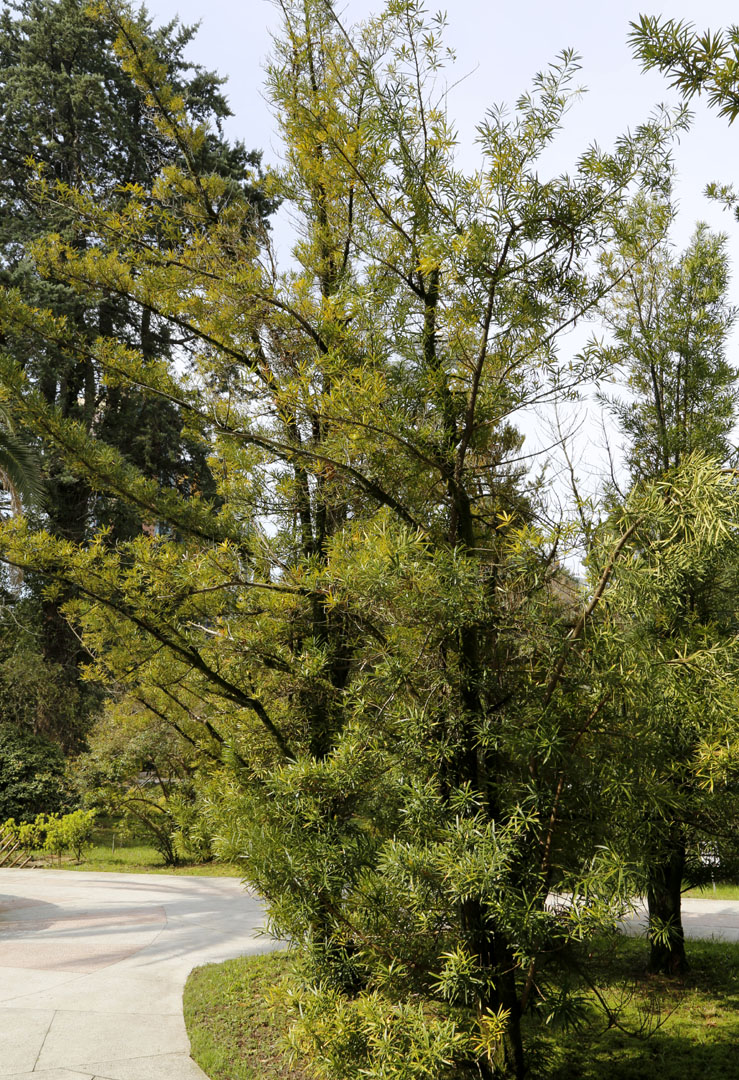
(499, 47)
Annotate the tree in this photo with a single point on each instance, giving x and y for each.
(141, 768)
(671, 319)
(403, 710)
(696, 63)
(33, 779)
(67, 102)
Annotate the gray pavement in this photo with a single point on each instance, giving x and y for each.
(92, 968)
(702, 918)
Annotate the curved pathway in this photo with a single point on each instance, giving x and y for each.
(92, 968)
(702, 918)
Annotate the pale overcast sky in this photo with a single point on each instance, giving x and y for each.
(500, 46)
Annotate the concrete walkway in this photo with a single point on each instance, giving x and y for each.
(92, 968)
(702, 918)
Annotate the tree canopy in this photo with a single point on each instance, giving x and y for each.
(408, 720)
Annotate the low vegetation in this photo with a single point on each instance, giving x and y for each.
(639, 1026)
(73, 842)
(722, 890)
(138, 858)
(234, 1033)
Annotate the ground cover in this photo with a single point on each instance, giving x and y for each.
(110, 852)
(722, 890)
(677, 1029)
(234, 1034)
(685, 1029)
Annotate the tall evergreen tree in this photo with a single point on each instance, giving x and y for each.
(365, 637)
(671, 320)
(70, 109)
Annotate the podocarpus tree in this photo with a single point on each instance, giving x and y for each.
(696, 63)
(670, 318)
(67, 103)
(401, 697)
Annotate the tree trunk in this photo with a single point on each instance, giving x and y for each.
(494, 954)
(664, 893)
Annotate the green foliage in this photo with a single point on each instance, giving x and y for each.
(55, 833)
(671, 320)
(32, 775)
(192, 834)
(140, 768)
(397, 711)
(36, 697)
(696, 63)
(238, 1023)
(30, 835)
(20, 473)
(70, 110)
(68, 832)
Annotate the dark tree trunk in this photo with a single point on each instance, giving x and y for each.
(664, 894)
(494, 953)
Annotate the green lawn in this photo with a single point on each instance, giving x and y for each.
(699, 1018)
(135, 858)
(235, 1035)
(722, 891)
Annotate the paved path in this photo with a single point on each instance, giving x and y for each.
(701, 919)
(92, 968)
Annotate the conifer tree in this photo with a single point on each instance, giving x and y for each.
(365, 635)
(68, 104)
(671, 320)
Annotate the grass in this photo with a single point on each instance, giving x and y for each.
(135, 858)
(670, 1029)
(696, 1020)
(234, 1035)
(723, 891)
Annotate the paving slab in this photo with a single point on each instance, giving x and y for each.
(21, 1040)
(162, 1067)
(54, 1074)
(92, 968)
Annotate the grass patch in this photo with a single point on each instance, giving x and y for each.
(133, 858)
(236, 1036)
(674, 1029)
(723, 891)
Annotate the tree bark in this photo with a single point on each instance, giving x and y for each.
(494, 953)
(664, 895)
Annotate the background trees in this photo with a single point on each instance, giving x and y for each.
(402, 709)
(670, 318)
(68, 104)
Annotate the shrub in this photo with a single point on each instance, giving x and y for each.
(70, 832)
(192, 838)
(32, 775)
